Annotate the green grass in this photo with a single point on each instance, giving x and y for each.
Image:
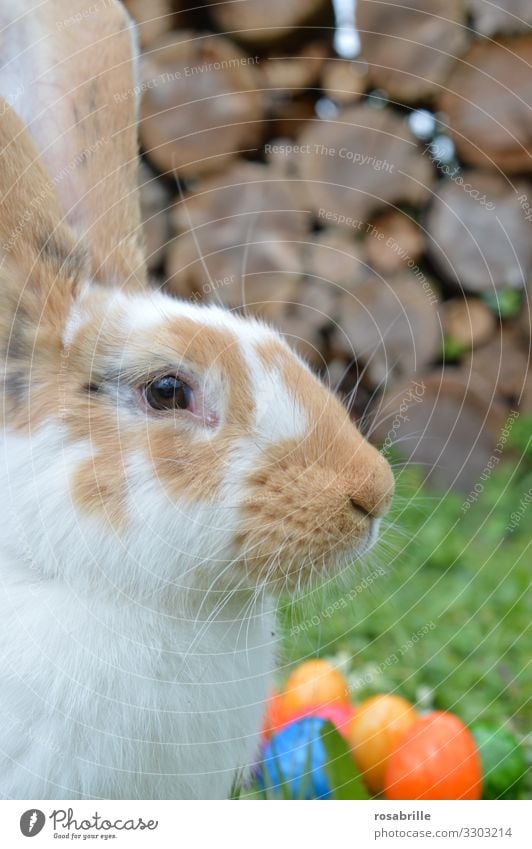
(460, 581)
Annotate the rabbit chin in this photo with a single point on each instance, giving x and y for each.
(300, 568)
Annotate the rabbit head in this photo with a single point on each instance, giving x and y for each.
(151, 445)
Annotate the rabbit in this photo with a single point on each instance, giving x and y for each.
(168, 468)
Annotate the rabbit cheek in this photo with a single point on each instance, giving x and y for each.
(186, 468)
(98, 488)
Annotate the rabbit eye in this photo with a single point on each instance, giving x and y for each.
(168, 393)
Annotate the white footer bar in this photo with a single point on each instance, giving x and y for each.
(267, 825)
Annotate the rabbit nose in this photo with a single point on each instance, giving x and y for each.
(372, 489)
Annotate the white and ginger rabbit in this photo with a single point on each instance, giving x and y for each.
(166, 468)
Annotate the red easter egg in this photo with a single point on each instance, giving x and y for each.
(437, 759)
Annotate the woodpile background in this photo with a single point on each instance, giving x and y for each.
(375, 204)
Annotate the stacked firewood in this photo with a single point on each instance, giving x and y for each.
(377, 209)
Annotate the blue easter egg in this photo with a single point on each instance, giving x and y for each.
(294, 760)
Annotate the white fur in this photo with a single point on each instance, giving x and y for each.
(132, 664)
(107, 688)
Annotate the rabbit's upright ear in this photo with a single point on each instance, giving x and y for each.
(33, 234)
(68, 70)
(42, 262)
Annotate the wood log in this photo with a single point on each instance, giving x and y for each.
(257, 274)
(240, 241)
(468, 322)
(256, 23)
(289, 116)
(509, 17)
(487, 103)
(344, 82)
(502, 365)
(333, 264)
(293, 74)
(154, 209)
(201, 103)
(363, 160)
(306, 320)
(391, 325)
(411, 46)
(246, 196)
(480, 238)
(281, 156)
(393, 241)
(153, 19)
(447, 424)
(336, 261)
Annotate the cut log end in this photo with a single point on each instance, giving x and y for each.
(260, 24)
(468, 323)
(393, 241)
(446, 425)
(486, 100)
(359, 162)
(411, 47)
(201, 103)
(479, 236)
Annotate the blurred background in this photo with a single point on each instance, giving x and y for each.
(362, 178)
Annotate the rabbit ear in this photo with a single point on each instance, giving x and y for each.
(32, 230)
(68, 71)
(42, 263)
